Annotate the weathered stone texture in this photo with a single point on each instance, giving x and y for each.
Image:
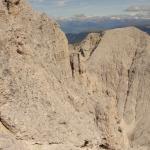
(93, 97)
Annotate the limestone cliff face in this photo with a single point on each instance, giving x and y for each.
(40, 104)
(120, 65)
(93, 97)
(124, 57)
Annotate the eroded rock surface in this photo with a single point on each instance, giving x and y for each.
(94, 96)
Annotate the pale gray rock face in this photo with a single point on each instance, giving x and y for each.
(55, 99)
(120, 65)
(36, 103)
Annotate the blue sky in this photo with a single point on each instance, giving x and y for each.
(68, 8)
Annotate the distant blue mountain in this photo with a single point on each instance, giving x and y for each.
(78, 37)
(77, 28)
(145, 28)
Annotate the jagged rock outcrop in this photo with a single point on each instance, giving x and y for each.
(38, 100)
(88, 45)
(121, 63)
(51, 98)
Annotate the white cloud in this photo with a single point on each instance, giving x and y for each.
(139, 10)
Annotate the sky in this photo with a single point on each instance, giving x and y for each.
(69, 8)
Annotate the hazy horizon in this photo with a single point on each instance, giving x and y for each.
(69, 8)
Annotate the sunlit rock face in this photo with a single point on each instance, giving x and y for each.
(90, 96)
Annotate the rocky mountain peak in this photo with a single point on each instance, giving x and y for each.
(92, 96)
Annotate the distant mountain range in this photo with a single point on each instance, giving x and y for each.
(76, 28)
(78, 37)
(145, 28)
